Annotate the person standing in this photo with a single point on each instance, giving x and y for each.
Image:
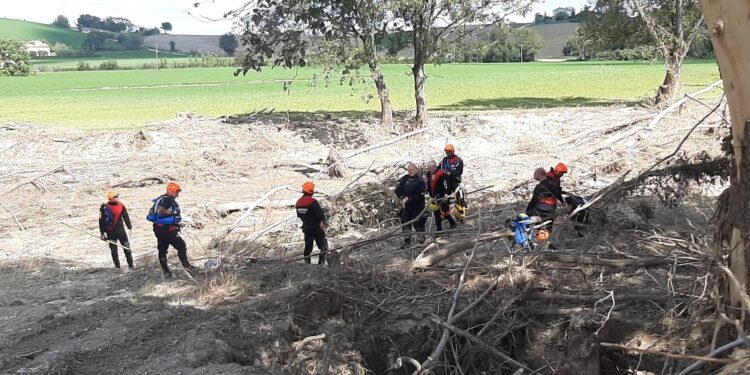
(411, 190)
(313, 223)
(453, 167)
(113, 218)
(166, 218)
(437, 183)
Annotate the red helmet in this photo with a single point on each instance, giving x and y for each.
(173, 188)
(561, 168)
(308, 187)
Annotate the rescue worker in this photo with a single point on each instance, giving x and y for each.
(453, 167)
(113, 218)
(167, 229)
(543, 204)
(411, 190)
(313, 223)
(544, 198)
(555, 174)
(437, 183)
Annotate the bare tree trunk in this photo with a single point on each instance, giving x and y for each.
(419, 92)
(386, 110)
(673, 61)
(672, 78)
(730, 35)
(672, 45)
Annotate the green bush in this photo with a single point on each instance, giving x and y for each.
(83, 66)
(14, 61)
(629, 54)
(108, 65)
(63, 50)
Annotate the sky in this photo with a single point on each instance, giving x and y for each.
(185, 18)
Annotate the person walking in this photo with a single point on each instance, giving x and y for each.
(166, 216)
(113, 218)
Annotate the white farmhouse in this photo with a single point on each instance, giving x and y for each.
(567, 11)
(37, 48)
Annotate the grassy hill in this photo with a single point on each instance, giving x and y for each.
(555, 35)
(25, 31)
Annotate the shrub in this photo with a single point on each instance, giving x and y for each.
(83, 66)
(108, 65)
(14, 61)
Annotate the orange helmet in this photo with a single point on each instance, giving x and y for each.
(542, 235)
(112, 195)
(561, 168)
(173, 188)
(308, 187)
(449, 147)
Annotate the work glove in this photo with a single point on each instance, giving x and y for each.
(103, 237)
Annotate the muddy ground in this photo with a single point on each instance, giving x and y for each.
(65, 310)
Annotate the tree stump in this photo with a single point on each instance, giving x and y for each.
(582, 350)
(336, 169)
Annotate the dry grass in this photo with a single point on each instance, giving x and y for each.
(219, 287)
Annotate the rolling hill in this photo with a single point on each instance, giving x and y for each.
(25, 31)
(186, 43)
(555, 35)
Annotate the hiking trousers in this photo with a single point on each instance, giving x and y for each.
(545, 212)
(318, 236)
(444, 212)
(166, 238)
(408, 214)
(121, 236)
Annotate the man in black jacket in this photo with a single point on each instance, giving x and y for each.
(410, 191)
(453, 167)
(544, 200)
(437, 184)
(167, 230)
(313, 223)
(112, 216)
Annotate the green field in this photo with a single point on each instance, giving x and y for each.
(124, 58)
(25, 31)
(122, 99)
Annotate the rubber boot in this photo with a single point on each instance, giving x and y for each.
(165, 267)
(128, 255)
(115, 257)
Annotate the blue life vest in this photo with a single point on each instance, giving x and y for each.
(164, 220)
